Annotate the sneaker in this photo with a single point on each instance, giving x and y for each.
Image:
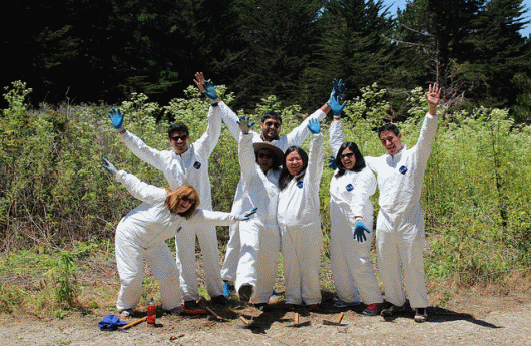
(126, 312)
(340, 304)
(371, 310)
(421, 315)
(176, 311)
(245, 292)
(191, 307)
(274, 294)
(228, 288)
(220, 300)
(390, 309)
(264, 307)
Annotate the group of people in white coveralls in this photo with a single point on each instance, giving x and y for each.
(276, 209)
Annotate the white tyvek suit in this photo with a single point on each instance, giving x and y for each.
(295, 137)
(299, 219)
(350, 260)
(141, 235)
(400, 234)
(260, 236)
(189, 168)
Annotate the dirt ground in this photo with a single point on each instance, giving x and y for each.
(469, 318)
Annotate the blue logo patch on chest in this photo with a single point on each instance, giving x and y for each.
(349, 187)
(403, 170)
(197, 165)
(300, 185)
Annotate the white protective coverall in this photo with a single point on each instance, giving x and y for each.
(299, 219)
(141, 235)
(295, 137)
(189, 168)
(400, 234)
(260, 236)
(350, 260)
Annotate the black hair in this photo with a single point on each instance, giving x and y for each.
(178, 127)
(285, 177)
(389, 127)
(276, 161)
(360, 161)
(272, 115)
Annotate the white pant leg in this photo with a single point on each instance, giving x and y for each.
(389, 262)
(232, 254)
(309, 251)
(339, 250)
(185, 250)
(164, 269)
(208, 242)
(130, 265)
(291, 267)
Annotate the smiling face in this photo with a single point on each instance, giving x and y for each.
(184, 204)
(391, 142)
(348, 159)
(179, 141)
(270, 129)
(294, 163)
(264, 158)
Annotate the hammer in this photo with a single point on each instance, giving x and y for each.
(134, 323)
(337, 322)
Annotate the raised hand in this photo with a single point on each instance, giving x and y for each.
(433, 97)
(199, 80)
(337, 107)
(109, 166)
(315, 126)
(339, 89)
(117, 118)
(244, 125)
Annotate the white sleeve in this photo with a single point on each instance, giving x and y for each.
(336, 136)
(212, 218)
(301, 132)
(207, 142)
(316, 159)
(246, 156)
(140, 190)
(144, 152)
(426, 138)
(365, 188)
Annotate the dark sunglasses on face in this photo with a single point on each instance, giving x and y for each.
(182, 138)
(187, 199)
(271, 123)
(346, 156)
(264, 155)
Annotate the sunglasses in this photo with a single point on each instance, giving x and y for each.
(346, 156)
(264, 155)
(187, 199)
(182, 138)
(271, 123)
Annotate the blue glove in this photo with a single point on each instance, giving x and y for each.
(109, 166)
(246, 215)
(210, 91)
(332, 162)
(110, 323)
(315, 126)
(337, 107)
(244, 125)
(117, 118)
(339, 89)
(359, 231)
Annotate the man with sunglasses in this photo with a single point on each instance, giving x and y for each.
(186, 164)
(270, 126)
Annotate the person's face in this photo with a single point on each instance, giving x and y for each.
(179, 141)
(270, 129)
(391, 142)
(294, 163)
(264, 158)
(184, 204)
(348, 159)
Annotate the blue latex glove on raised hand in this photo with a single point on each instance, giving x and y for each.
(117, 118)
(109, 166)
(246, 215)
(359, 231)
(315, 126)
(332, 162)
(336, 106)
(339, 89)
(210, 91)
(244, 125)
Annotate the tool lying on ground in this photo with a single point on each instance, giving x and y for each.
(216, 316)
(134, 323)
(298, 324)
(337, 322)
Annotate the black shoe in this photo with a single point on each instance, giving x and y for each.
(264, 307)
(245, 292)
(220, 300)
(191, 307)
(390, 309)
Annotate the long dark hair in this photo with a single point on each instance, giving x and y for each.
(285, 177)
(360, 161)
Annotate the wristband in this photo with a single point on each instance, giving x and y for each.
(122, 130)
